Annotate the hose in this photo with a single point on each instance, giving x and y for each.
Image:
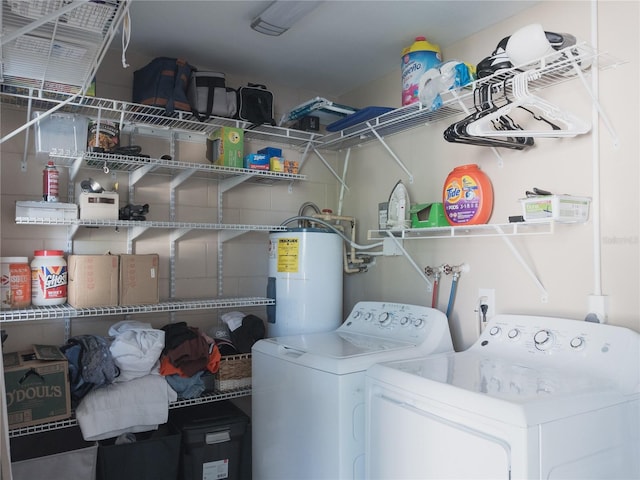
(436, 283)
(452, 295)
(334, 229)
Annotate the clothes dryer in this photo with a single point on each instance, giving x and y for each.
(308, 390)
(533, 398)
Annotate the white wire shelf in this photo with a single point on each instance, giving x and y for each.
(459, 102)
(131, 115)
(72, 422)
(125, 163)
(56, 44)
(67, 311)
(147, 224)
(486, 230)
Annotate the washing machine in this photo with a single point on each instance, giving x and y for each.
(533, 398)
(308, 390)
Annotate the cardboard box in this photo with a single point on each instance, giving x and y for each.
(101, 206)
(37, 389)
(256, 161)
(561, 208)
(55, 210)
(225, 146)
(139, 279)
(92, 280)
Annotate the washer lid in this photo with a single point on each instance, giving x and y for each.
(501, 387)
(336, 352)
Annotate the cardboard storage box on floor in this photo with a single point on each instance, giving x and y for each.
(37, 390)
(139, 279)
(92, 280)
(216, 441)
(55, 455)
(154, 455)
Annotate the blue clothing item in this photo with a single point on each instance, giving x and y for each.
(187, 387)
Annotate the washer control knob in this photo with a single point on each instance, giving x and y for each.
(384, 319)
(543, 339)
(577, 343)
(495, 331)
(418, 322)
(368, 316)
(514, 334)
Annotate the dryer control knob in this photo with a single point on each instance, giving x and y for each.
(495, 331)
(384, 319)
(514, 334)
(418, 322)
(577, 343)
(543, 339)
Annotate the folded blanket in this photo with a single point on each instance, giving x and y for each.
(138, 405)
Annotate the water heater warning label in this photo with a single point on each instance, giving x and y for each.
(288, 254)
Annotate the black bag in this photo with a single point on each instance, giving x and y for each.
(209, 95)
(163, 83)
(255, 104)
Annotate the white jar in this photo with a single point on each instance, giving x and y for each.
(48, 278)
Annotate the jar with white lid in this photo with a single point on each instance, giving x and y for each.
(48, 278)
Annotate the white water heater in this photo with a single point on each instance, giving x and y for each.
(305, 279)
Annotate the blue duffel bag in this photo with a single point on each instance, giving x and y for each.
(163, 83)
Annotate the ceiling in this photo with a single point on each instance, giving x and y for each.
(339, 46)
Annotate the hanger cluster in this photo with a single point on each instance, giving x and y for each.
(508, 115)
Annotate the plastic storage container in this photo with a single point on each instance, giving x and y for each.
(416, 60)
(467, 196)
(153, 455)
(15, 286)
(61, 133)
(216, 442)
(48, 278)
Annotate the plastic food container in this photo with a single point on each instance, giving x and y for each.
(560, 208)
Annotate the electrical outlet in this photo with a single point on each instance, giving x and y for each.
(487, 296)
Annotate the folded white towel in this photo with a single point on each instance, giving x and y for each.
(139, 405)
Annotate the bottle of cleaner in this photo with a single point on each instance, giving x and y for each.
(467, 196)
(416, 60)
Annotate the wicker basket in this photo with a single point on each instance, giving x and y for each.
(234, 373)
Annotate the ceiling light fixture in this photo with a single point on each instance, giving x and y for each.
(280, 16)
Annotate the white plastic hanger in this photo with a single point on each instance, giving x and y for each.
(569, 124)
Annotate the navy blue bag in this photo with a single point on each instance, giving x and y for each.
(163, 83)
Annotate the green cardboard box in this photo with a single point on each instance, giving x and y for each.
(425, 215)
(225, 146)
(37, 389)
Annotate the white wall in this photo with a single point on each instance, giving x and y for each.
(563, 262)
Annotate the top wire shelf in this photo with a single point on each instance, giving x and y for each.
(562, 66)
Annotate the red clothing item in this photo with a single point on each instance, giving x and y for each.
(212, 364)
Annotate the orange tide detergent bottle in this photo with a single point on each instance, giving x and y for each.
(467, 196)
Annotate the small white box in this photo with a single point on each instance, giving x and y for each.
(99, 206)
(561, 208)
(55, 210)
